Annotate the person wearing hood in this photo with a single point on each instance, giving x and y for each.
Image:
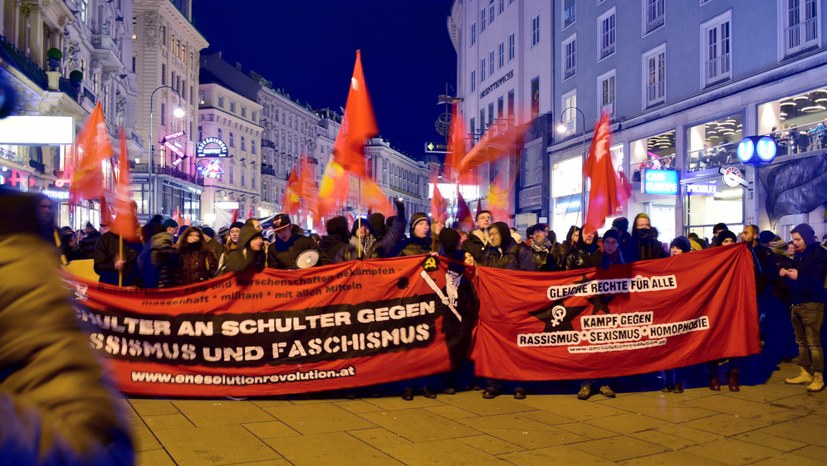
(806, 280)
(289, 243)
(643, 245)
(503, 252)
(586, 252)
(249, 255)
(164, 258)
(86, 245)
(377, 223)
(621, 226)
(213, 244)
(726, 238)
(419, 237)
(562, 250)
(198, 263)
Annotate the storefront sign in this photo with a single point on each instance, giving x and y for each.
(16, 178)
(211, 147)
(702, 189)
(212, 170)
(37, 130)
(733, 177)
(59, 195)
(660, 182)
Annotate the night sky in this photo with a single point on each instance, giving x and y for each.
(308, 47)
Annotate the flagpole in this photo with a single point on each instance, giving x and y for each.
(120, 257)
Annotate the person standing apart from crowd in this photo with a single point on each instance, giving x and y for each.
(806, 281)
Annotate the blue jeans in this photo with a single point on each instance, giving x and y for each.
(807, 319)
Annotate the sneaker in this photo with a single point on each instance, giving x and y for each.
(817, 384)
(585, 391)
(678, 388)
(408, 394)
(606, 391)
(519, 394)
(427, 393)
(803, 377)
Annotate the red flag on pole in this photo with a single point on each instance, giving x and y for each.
(502, 139)
(307, 186)
(106, 212)
(290, 203)
(333, 190)
(464, 217)
(439, 206)
(456, 146)
(358, 124)
(235, 216)
(500, 195)
(374, 199)
(126, 218)
(92, 148)
(607, 193)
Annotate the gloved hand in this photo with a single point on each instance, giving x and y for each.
(400, 207)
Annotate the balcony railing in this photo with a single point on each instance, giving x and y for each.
(266, 143)
(23, 63)
(268, 170)
(166, 170)
(718, 68)
(655, 22)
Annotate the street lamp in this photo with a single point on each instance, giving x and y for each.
(178, 112)
(562, 128)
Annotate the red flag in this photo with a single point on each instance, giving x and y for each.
(501, 139)
(235, 216)
(92, 148)
(333, 190)
(290, 203)
(106, 212)
(464, 217)
(307, 186)
(126, 218)
(439, 206)
(358, 124)
(177, 217)
(250, 212)
(500, 195)
(605, 195)
(456, 146)
(374, 199)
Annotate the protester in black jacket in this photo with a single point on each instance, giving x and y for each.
(109, 263)
(643, 245)
(289, 243)
(249, 255)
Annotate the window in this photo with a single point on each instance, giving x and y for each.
(510, 104)
(570, 57)
(244, 112)
(500, 55)
(502, 6)
(473, 33)
(500, 107)
(472, 125)
(232, 139)
(606, 93)
(482, 120)
(490, 11)
(221, 101)
(490, 113)
(482, 70)
(243, 143)
(473, 80)
(163, 74)
(253, 146)
(568, 111)
(654, 72)
(491, 63)
(655, 14)
(163, 114)
(535, 30)
(716, 49)
(801, 25)
(482, 20)
(606, 30)
(569, 12)
(220, 134)
(535, 97)
(511, 46)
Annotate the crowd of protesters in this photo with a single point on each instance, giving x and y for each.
(172, 255)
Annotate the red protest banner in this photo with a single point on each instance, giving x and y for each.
(276, 332)
(629, 319)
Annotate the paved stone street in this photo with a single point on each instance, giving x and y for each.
(768, 424)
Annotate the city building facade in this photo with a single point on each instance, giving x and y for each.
(399, 176)
(167, 50)
(505, 69)
(64, 57)
(683, 83)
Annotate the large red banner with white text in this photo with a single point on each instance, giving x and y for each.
(277, 332)
(627, 319)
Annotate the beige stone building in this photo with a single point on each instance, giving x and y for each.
(166, 60)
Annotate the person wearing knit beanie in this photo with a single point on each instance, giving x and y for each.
(680, 245)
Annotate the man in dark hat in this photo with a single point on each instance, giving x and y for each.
(212, 242)
(289, 244)
(86, 246)
(233, 236)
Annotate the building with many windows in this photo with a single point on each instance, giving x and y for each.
(92, 40)
(166, 63)
(504, 69)
(684, 82)
(399, 176)
(228, 155)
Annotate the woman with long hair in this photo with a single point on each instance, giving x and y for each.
(198, 263)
